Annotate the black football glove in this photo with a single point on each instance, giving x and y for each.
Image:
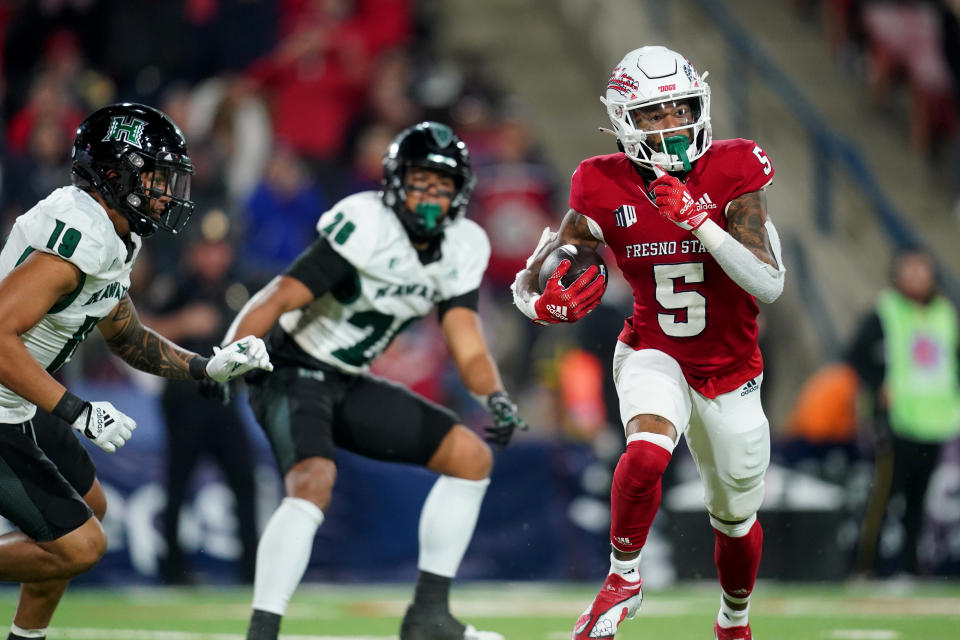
(215, 391)
(506, 420)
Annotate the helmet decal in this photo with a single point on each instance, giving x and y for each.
(442, 134)
(621, 82)
(126, 129)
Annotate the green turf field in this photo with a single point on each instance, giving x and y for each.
(865, 611)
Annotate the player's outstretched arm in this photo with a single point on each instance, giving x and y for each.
(265, 307)
(574, 229)
(468, 347)
(145, 349)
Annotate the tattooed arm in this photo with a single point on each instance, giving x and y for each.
(747, 223)
(749, 250)
(145, 349)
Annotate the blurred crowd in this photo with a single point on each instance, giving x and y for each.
(904, 49)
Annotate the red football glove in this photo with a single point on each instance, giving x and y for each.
(676, 204)
(557, 304)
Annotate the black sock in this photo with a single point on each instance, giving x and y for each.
(264, 625)
(432, 591)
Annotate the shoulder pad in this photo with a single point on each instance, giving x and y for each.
(72, 225)
(471, 247)
(355, 225)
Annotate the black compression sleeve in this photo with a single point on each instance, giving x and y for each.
(470, 300)
(320, 268)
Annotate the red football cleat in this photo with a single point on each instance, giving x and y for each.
(617, 601)
(733, 633)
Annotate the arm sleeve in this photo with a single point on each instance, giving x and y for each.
(754, 276)
(470, 300)
(320, 268)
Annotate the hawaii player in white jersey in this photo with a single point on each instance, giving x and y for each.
(381, 261)
(65, 269)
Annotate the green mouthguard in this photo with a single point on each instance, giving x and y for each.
(677, 146)
(431, 213)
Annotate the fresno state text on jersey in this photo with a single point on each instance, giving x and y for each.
(684, 303)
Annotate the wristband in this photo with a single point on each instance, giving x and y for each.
(198, 368)
(69, 407)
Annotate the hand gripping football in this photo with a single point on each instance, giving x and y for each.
(581, 258)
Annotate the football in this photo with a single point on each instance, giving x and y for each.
(581, 258)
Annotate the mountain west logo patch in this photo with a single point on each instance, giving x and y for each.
(126, 129)
(625, 215)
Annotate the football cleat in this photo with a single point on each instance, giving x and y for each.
(419, 624)
(731, 633)
(617, 601)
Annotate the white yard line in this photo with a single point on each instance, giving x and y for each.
(863, 634)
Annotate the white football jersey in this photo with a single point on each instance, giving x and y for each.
(70, 224)
(392, 287)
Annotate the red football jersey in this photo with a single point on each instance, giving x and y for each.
(684, 303)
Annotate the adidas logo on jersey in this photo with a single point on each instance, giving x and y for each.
(750, 387)
(557, 311)
(704, 202)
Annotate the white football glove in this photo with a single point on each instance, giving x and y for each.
(107, 426)
(237, 358)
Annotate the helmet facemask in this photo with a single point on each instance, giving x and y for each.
(157, 193)
(428, 219)
(652, 78)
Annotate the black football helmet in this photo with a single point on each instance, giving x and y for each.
(433, 146)
(133, 156)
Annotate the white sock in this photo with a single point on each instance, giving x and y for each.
(447, 521)
(28, 633)
(283, 553)
(729, 617)
(626, 569)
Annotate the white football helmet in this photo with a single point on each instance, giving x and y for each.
(651, 76)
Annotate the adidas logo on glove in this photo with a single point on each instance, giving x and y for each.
(557, 311)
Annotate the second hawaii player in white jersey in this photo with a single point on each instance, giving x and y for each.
(381, 261)
(65, 269)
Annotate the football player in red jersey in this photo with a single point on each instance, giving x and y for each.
(686, 219)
